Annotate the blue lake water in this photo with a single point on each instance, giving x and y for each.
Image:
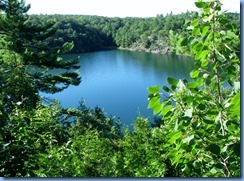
(117, 81)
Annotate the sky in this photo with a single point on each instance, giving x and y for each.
(120, 8)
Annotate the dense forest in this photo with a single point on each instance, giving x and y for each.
(90, 33)
(197, 130)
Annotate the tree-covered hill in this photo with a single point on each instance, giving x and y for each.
(90, 33)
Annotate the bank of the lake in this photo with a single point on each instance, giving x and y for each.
(117, 81)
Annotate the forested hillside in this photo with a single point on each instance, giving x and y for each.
(198, 129)
(157, 34)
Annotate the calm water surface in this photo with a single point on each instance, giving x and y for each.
(117, 81)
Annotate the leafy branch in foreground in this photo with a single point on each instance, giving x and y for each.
(203, 116)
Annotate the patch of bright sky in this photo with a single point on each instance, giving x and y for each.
(120, 8)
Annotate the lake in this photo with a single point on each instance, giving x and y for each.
(117, 81)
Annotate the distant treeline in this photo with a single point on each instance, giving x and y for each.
(159, 34)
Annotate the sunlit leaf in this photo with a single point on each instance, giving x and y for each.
(154, 102)
(205, 30)
(194, 74)
(174, 137)
(194, 22)
(153, 89)
(166, 109)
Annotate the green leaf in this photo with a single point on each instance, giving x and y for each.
(205, 30)
(194, 74)
(234, 108)
(183, 42)
(174, 137)
(157, 109)
(153, 89)
(204, 54)
(154, 102)
(204, 62)
(208, 120)
(236, 148)
(213, 171)
(200, 82)
(196, 31)
(206, 10)
(194, 22)
(214, 148)
(172, 81)
(166, 109)
(232, 127)
(198, 46)
(192, 85)
(198, 55)
(166, 88)
(200, 4)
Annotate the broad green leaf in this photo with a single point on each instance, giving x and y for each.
(234, 107)
(183, 42)
(200, 4)
(196, 31)
(154, 102)
(214, 148)
(204, 54)
(224, 149)
(166, 109)
(194, 74)
(192, 85)
(157, 109)
(153, 89)
(232, 127)
(174, 137)
(213, 171)
(194, 22)
(198, 55)
(188, 99)
(204, 62)
(172, 81)
(206, 10)
(205, 30)
(200, 82)
(198, 46)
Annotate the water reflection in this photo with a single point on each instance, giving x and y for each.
(117, 80)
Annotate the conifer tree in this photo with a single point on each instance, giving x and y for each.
(26, 45)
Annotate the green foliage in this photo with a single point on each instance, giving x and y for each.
(198, 128)
(25, 136)
(143, 154)
(24, 44)
(160, 34)
(202, 117)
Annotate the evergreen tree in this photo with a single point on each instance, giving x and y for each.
(27, 42)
